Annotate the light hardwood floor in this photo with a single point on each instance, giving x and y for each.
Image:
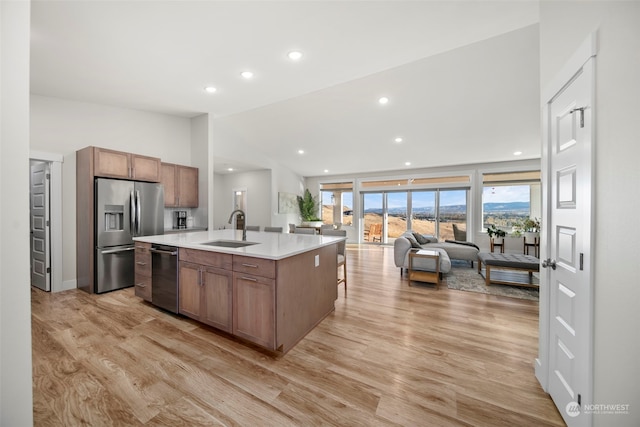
(390, 354)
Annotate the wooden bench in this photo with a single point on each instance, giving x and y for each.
(500, 261)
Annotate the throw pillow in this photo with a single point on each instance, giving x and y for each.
(414, 242)
(423, 239)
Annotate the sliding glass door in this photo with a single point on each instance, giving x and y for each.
(388, 214)
(452, 215)
(423, 212)
(397, 214)
(374, 209)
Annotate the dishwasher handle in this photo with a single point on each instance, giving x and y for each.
(161, 251)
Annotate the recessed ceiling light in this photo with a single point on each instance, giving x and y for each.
(210, 89)
(295, 55)
(517, 153)
(300, 151)
(407, 163)
(326, 171)
(383, 100)
(246, 74)
(398, 140)
(230, 169)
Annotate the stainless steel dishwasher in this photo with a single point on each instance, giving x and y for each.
(164, 277)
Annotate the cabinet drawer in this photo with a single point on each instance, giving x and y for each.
(143, 263)
(143, 287)
(210, 259)
(256, 266)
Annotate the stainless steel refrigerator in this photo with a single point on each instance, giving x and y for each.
(124, 209)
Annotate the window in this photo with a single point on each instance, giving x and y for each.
(508, 198)
(427, 205)
(433, 212)
(336, 199)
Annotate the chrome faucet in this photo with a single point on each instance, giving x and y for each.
(244, 224)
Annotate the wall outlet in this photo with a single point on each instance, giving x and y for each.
(317, 260)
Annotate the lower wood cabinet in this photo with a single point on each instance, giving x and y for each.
(205, 294)
(143, 271)
(270, 303)
(254, 305)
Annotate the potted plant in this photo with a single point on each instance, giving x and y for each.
(496, 234)
(530, 228)
(309, 209)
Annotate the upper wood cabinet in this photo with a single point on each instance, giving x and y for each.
(118, 164)
(180, 186)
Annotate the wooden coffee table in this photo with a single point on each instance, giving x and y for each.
(421, 275)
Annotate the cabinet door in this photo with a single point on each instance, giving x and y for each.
(110, 163)
(143, 287)
(168, 180)
(187, 186)
(217, 296)
(189, 290)
(143, 271)
(145, 168)
(254, 309)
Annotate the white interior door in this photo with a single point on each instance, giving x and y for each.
(39, 211)
(568, 261)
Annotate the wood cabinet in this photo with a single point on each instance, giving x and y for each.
(271, 303)
(180, 186)
(205, 289)
(143, 271)
(254, 309)
(118, 164)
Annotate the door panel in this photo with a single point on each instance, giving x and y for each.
(151, 206)
(373, 216)
(39, 211)
(452, 209)
(570, 287)
(114, 268)
(218, 292)
(113, 212)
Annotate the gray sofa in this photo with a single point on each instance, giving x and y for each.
(454, 250)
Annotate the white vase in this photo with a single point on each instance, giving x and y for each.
(312, 223)
(531, 236)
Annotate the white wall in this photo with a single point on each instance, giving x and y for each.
(16, 398)
(229, 144)
(258, 187)
(200, 155)
(563, 26)
(63, 126)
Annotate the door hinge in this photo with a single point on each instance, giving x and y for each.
(47, 223)
(579, 399)
(48, 270)
(581, 261)
(48, 176)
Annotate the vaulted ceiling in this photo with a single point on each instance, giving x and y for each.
(461, 77)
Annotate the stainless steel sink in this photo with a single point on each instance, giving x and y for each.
(229, 243)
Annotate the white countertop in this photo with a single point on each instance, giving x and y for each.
(269, 245)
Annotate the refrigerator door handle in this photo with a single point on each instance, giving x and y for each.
(116, 251)
(132, 210)
(138, 214)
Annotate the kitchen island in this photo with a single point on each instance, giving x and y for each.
(271, 292)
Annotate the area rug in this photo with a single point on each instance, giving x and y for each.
(464, 278)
